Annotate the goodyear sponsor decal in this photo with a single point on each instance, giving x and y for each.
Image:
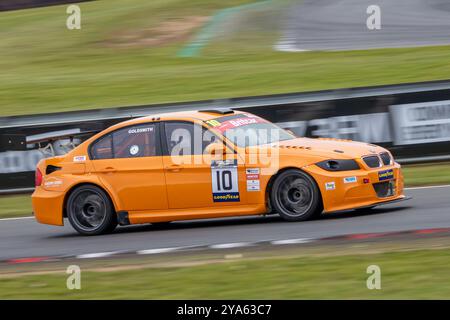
(226, 197)
(386, 175)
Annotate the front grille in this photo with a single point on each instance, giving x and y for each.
(384, 189)
(372, 161)
(386, 158)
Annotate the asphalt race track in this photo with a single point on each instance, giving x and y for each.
(429, 208)
(341, 25)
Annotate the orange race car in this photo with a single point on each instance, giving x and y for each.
(205, 164)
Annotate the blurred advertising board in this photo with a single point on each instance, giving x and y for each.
(425, 122)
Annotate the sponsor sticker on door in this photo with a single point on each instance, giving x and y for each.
(225, 186)
(252, 176)
(252, 173)
(253, 185)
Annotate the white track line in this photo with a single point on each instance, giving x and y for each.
(291, 241)
(97, 255)
(159, 250)
(231, 245)
(428, 187)
(286, 45)
(19, 218)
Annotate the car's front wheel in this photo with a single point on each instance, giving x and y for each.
(295, 196)
(90, 211)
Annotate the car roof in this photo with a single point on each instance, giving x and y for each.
(180, 115)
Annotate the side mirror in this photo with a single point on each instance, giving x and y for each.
(216, 148)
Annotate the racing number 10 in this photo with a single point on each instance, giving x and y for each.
(224, 180)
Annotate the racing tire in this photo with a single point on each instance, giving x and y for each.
(295, 196)
(90, 211)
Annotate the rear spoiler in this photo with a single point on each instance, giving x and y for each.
(19, 142)
(13, 142)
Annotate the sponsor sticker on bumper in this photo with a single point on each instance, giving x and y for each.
(53, 182)
(386, 175)
(330, 186)
(350, 180)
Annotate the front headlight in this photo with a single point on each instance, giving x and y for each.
(338, 165)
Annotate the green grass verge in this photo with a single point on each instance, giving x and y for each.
(427, 174)
(15, 206)
(415, 175)
(340, 277)
(47, 68)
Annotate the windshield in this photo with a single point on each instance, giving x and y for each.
(246, 130)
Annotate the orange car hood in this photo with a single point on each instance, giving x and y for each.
(329, 148)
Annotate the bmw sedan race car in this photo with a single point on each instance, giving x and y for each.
(206, 164)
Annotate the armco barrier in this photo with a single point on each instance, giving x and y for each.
(411, 120)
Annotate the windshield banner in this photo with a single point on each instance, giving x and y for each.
(230, 122)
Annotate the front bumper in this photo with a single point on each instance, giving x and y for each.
(400, 199)
(346, 190)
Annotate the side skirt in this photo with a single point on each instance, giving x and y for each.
(138, 217)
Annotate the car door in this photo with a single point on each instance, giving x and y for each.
(194, 180)
(129, 162)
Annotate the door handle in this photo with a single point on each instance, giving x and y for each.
(174, 168)
(109, 170)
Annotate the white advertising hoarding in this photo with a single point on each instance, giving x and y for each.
(425, 122)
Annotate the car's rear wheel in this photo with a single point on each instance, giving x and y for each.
(90, 211)
(295, 196)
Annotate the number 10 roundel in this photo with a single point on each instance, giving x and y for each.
(225, 186)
